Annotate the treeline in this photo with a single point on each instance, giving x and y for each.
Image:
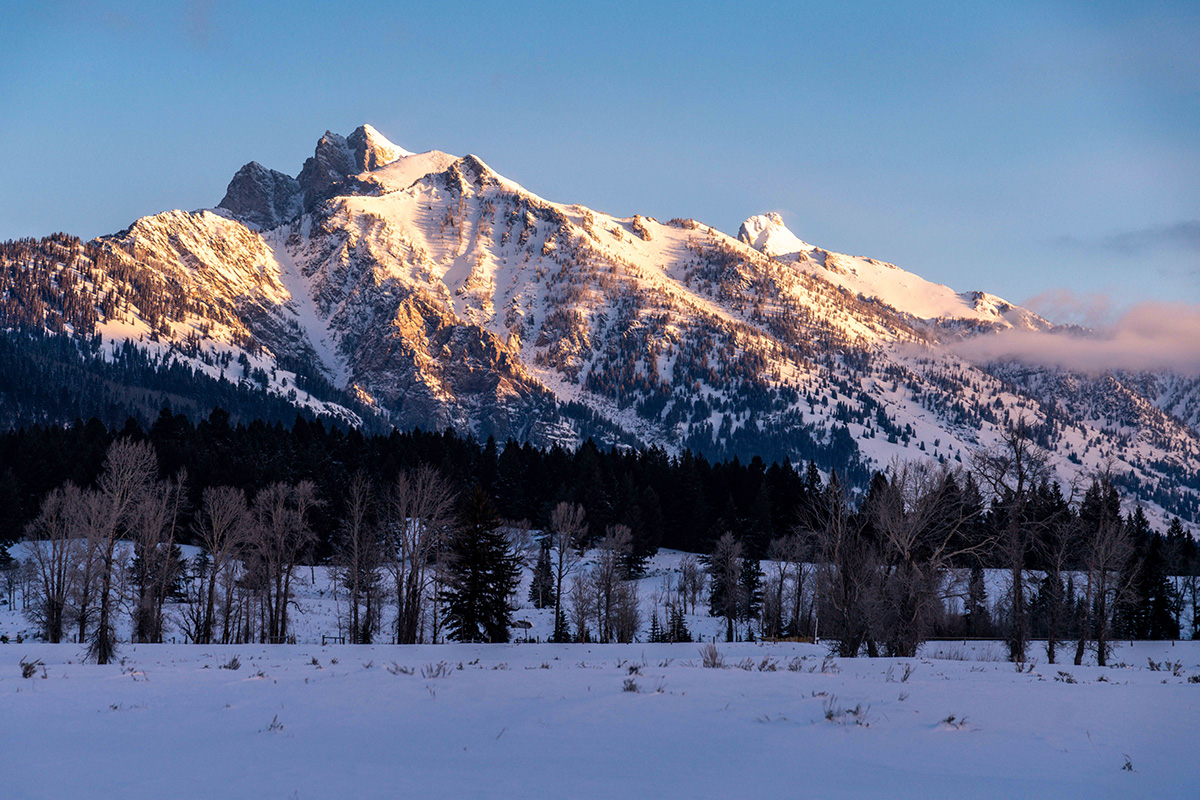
(880, 573)
(679, 502)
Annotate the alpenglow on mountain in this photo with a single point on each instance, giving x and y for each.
(381, 287)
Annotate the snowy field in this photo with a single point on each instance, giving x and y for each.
(581, 721)
(542, 720)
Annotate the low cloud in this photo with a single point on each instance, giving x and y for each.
(1093, 309)
(1184, 236)
(1149, 336)
(1180, 236)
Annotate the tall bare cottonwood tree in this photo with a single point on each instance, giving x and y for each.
(420, 519)
(222, 528)
(281, 536)
(567, 529)
(129, 469)
(54, 550)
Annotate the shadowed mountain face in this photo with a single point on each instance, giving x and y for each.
(425, 289)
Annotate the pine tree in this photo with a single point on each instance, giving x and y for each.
(484, 573)
(541, 589)
(656, 633)
(677, 630)
(562, 629)
(751, 580)
(977, 614)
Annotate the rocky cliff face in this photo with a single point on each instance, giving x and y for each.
(439, 293)
(262, 197)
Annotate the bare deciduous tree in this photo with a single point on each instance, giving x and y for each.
(358, 556)
(848, 575)
(153, 531)
(54, 550)
(1107, 547)
(222, 527)
(917, 516)
(582, 598)
(607, 578)
(1009, 471)
(281, 535)
(788, 557)
(129, 470)
(627, 617)
(421, 518)
(691, 582)
(566, 532)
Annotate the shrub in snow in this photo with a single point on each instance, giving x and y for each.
(711, 657)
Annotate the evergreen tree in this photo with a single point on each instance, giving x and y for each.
(978, 623)
(541, 589)
(751, 580)
(656, 633)
(677, 630)
(484, 572)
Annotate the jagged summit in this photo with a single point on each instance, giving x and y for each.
(261, 196)
(267, 198)
(372, 149)
(767, 233)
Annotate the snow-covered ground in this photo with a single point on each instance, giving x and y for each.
(779, 720)
(453, 720)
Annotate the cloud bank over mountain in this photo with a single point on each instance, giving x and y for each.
(1148, 336)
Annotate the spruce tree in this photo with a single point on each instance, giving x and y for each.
(677, 630)
(656, 633)
(541, 590)
(751, 580)
(484, 573)
(977, 614)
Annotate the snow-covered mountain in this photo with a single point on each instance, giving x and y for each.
(426, 289)
(884, 283)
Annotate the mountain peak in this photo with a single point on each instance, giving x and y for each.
(261, 196)
(339, 157)
(371, 149)
(767, 233)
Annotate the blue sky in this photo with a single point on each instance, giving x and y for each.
(1039, 150)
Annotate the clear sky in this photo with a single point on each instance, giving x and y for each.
(1039, 150)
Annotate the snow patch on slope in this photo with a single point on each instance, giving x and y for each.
(301, 303)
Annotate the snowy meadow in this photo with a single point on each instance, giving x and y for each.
(748, 719)
(551, 720)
